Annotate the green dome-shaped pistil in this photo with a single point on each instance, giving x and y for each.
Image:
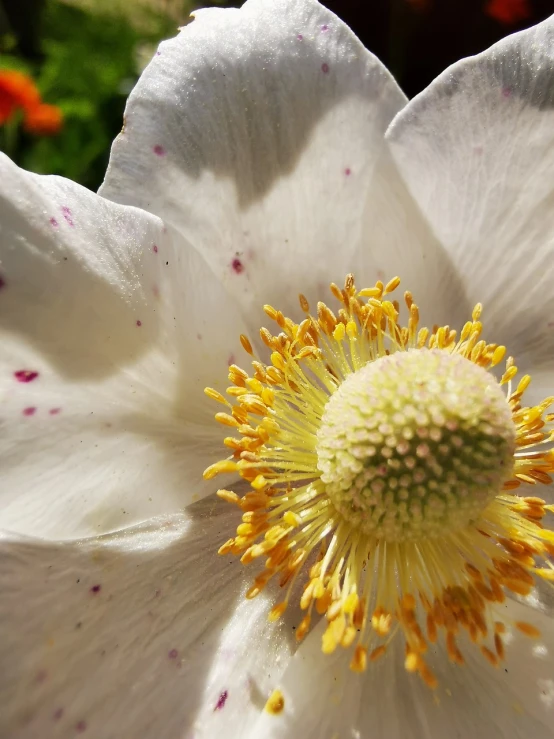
(415, 445)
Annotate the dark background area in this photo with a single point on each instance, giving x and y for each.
(418, 39)
(85, 56)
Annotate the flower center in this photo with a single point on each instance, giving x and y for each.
(382, 458)
(414, 444)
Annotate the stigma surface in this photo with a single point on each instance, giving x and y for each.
(382, 461)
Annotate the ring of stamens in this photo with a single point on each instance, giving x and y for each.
(371, 584)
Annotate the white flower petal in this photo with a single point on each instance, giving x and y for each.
(323, 699)
(71, 274)
(258, 133)
(138, 634)
(477, 152)
(110, 328)
(321, 696)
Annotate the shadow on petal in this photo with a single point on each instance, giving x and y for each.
(126, 634)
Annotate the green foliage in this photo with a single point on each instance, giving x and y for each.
(89, 67)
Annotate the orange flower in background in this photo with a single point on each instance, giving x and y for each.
(17, 90)
(43, 120)
(508, 12)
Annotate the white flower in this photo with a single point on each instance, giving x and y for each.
(265, 154)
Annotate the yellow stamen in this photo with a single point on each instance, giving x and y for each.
(389, 453)
(528, 629)
(275, 703)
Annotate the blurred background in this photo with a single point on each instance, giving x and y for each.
(67, 66)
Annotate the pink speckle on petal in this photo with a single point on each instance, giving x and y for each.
(300, 37)
(66, 212)
(58, 713)
(158, 150)
(41, 676)
(25, 375)
(155, 249)
(237, 266)
(348, 171)
(54, 222)
(506, 92)
(325, 28)
(325, 68)
(95, 588)
(30, 411)
(81, 726)
(172, 654)
(2, 282)
(158, 53)
(221, 700)
(54, 411)
(139, 323)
